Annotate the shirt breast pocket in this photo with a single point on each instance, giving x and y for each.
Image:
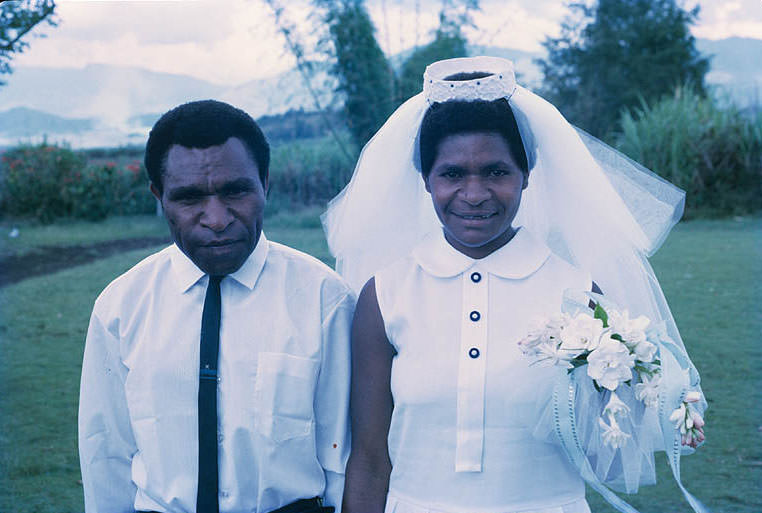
(284, 392)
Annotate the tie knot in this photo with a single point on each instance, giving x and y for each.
(215, 280)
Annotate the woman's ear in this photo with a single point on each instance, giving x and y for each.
(525, 179)
(426, 182)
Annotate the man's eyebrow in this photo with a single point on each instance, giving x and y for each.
(239, 183)
(185, 191)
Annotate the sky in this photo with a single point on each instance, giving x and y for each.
(234, 41)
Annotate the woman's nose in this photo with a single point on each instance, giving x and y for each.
(474, 191)
(216, 216)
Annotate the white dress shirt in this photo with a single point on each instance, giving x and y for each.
(283, 385)
(465, 399)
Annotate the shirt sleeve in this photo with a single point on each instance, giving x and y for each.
(106, 443)
(332, 398)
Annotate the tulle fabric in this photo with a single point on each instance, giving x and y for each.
(590, 204)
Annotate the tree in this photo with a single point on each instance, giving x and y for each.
(17, 19)
(365, 78)
(614, 53)
(448, 43)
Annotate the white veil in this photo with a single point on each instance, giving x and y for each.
(589, 203)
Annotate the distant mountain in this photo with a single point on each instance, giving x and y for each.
(24, 122)
(101, 91)
(109, 105)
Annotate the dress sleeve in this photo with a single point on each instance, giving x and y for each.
(332, 398)
(106, 443)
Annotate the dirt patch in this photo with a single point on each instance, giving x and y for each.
(49, 259)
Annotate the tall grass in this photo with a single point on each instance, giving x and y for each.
(705, 146)
(307, 173)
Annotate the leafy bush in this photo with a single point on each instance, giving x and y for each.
(307, 173)
(48, 182)
(713, 152)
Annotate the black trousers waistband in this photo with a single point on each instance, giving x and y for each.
(313, 505)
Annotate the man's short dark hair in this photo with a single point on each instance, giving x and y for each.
(461, 117)
(202, 124)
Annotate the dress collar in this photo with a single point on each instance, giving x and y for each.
(519, 258)
(186, 273)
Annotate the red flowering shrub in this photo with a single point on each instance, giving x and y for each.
(48, 182)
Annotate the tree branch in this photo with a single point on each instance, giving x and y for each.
(47, 11)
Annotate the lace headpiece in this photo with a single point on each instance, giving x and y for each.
(501, 83)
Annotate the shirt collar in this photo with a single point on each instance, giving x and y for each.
(187, 274)
(519, 258)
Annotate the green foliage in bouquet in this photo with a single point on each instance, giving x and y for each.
(713, 152)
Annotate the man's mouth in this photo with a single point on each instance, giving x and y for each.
(220, 243)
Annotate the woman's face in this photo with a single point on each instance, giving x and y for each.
(476, 189)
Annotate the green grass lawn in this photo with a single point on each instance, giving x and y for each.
(710, 272)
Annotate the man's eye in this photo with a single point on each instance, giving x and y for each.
(498, 172)
(451, 174)
(188, 198)
(235, 193)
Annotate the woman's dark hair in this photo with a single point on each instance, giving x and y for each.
(458, 116)
(202, 124)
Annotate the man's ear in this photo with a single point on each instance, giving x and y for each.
(426, 182)
(155, 191)
(525, 181)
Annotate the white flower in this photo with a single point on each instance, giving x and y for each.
(551, 353)
(538, 334)
(556, 323)
(679, 417)
(693, 396)
(648, 390)
(615, 407)
(612, 434)
(610, 363)
(645, 351)
(629, 329)
(633, 333)
(582, 333)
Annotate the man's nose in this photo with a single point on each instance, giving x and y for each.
(216, 215)
(474, 191)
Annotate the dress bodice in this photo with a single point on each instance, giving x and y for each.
(465, 400)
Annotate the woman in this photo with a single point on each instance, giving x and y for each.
(445, 411)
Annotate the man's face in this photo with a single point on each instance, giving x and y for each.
(214, 202)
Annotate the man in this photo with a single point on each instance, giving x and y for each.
(216, 371)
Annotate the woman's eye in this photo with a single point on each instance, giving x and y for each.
(451, 174)
(499, 172)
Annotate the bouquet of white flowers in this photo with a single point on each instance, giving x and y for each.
(617, 351)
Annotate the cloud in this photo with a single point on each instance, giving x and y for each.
(235, 41)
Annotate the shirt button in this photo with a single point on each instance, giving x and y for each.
(220, 437)
(475, 316)
(476, 277)
(219, 379)
(473, 352)
(225, 494)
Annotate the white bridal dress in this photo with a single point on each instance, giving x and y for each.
(474, 427)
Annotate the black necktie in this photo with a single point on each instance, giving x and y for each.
(206, 500)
